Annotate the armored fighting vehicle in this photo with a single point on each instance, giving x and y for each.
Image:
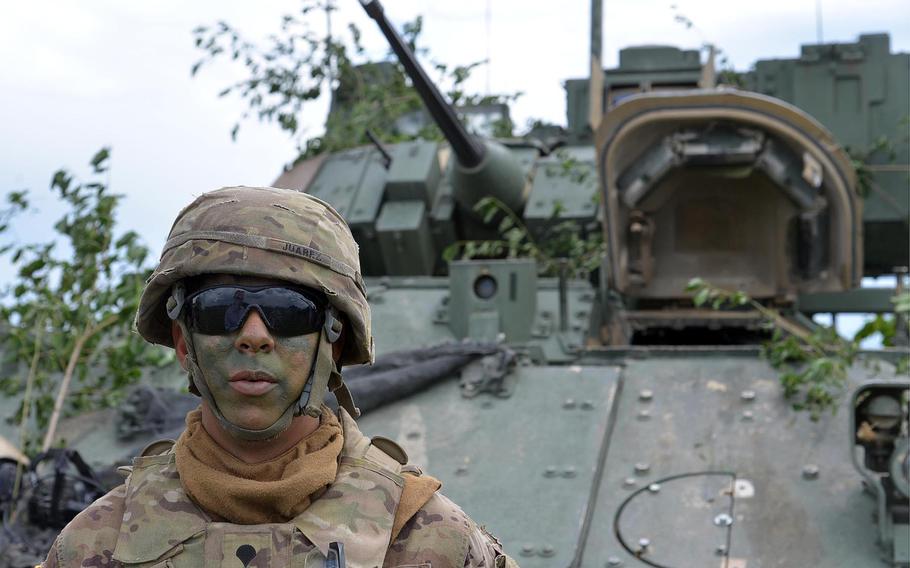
(600, 418)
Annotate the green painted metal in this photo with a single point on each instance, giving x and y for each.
(526, 466)
(418, 312)
(498, 175)
(564, 183)
(404, 238)
(861, 300)
(414, 172)
(641, 68)
(859, 90)
(726, 414)
(339, 178)
(506, 288)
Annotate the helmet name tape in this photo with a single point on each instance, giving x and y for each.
(267, 243)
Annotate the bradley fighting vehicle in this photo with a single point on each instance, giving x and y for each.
(602, 420)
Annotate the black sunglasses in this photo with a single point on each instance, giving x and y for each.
(285, 311)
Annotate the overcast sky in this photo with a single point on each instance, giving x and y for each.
(80, 75)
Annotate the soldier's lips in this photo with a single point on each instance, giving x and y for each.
(252, 383)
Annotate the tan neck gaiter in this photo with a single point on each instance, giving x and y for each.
(274, 491)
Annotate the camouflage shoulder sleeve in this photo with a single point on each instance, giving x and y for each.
(441, 535)
(89, 539)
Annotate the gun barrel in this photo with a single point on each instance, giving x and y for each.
(468, 150)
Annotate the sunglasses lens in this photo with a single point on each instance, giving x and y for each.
(286, 312)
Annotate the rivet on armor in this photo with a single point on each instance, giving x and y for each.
(547, 551)
(654, 488)
(747, 395)
(642, 468)
(527, 550)
(550, 471)
(568, 404)
(723, 520)
(629, 482)
(644, 415)
(748, 416)
(810, 471)
(569, 472)
(613, 561)
(721, 550)
(645, 395)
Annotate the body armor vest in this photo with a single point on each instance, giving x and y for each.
(163, 527)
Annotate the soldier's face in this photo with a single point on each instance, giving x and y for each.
(253, 374)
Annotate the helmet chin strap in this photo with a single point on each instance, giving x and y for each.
(324, 375)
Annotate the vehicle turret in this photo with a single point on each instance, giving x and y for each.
(482, 167)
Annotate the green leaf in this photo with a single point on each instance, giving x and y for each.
(695, 284)
(99, 159)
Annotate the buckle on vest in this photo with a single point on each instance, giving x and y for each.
(335, 557)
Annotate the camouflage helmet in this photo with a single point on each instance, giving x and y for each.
(265, 232)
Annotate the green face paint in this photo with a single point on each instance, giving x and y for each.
(253, 388)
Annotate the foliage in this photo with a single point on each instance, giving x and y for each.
(562, 242)
(884, 149)
(298, 65)
(70, 306)
(576, 171)
(812, 365)
(726, 74)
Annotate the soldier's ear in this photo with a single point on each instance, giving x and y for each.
(179, 344)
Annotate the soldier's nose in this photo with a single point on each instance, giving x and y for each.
(254, 336)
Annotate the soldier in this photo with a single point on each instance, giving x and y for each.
(259, 292)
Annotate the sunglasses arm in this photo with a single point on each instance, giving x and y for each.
(176, 301)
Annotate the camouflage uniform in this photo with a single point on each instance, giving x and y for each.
(150, 520)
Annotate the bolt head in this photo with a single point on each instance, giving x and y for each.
(547, 551)
(748, 416)
(654, 488)
(629, 482)
(644, 543)
(721, 550)
(810, 471)
(613, 561)
(587, 405)
(644, 415)
(568, 404)
(550, 471)
(642, 468)
(723, 520)
(645, 395)
(527, 550)
(747, 395)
